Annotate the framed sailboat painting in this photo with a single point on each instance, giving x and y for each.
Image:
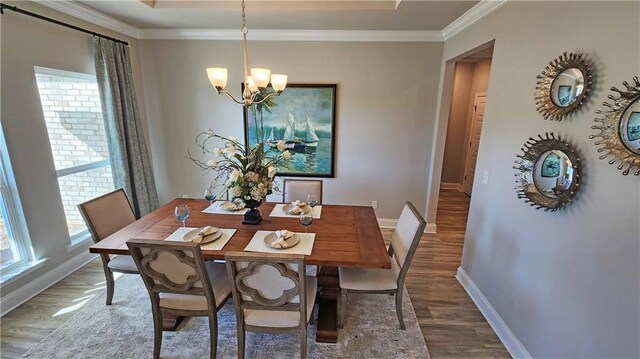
(304, 118)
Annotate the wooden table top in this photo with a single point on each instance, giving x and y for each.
(346, 236)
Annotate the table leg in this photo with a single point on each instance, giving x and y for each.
(171, 322)
(328, 305)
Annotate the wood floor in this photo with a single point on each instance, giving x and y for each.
(451, 324)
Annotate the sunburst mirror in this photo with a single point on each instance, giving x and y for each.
(548, 172)
(620, 128)
(563, 86)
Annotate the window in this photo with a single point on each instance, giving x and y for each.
(16, 255)
(73, 115)
(10, 252)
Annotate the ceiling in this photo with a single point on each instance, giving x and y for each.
(286, 15)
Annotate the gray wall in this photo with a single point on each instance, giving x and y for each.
(27, 42)
(385, 111)
(565, 283)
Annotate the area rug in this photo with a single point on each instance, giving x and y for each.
(125, 330)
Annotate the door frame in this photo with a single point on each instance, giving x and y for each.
(443, 108)
(472, 125)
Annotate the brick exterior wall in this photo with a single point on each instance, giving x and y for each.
(73, 114)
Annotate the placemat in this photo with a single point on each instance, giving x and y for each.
(278, 212)
(218, 244)
(304, 247)
(216, 209)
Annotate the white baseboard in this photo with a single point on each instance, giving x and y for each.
(456, 186)
(508, 339)
(392, 223)
(46, 280)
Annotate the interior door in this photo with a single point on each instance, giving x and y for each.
(474, 141)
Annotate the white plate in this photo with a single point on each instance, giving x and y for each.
(291, 241)
(207, 239)
(288, 207)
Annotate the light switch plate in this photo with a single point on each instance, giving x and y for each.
(485, 177)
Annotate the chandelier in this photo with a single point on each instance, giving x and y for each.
(254, 85)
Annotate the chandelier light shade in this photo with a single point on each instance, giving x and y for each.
(255, 83)
(217, 77)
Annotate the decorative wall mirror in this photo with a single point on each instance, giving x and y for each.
(548, 172)
(563, 86)
(620, 128)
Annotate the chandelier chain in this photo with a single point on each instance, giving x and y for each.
(244, 19)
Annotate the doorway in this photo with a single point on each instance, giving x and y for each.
(466, 115)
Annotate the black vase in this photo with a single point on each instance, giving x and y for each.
(253, 214)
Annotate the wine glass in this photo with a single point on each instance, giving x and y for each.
(182, 214)
(209, 195)
(306, 218)
(311, 199)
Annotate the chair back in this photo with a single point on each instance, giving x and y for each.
(171, 267)
(294, 190)
(406, 238)
(266, 281)
(107, 214)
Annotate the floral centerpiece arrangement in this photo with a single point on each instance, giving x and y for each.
(247, 173)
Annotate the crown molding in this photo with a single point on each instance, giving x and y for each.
(87, 14)
(293, 35)
(473, 15)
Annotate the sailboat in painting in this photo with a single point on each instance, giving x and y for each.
(312, 138)
(292, 142)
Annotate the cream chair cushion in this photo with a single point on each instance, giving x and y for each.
(219, 283)
(370, 279)
(122, 263)
(405, 233)
(296, 190)
(108, 214)
(283, 319)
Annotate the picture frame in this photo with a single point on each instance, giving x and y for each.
(304, 117)
(564, 94)
(551, 166)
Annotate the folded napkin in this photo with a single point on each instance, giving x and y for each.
(298, 207)
(282, 236)
(234, 205)
(205, 231)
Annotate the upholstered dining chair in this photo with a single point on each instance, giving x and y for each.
(402, 248)
(179, 282)
(104, 216)
(271, 293)
(295, 189)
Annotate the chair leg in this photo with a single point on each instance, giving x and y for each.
(157, 332)
(110, 285)
(303, 342)
(399, 308)
(241, 338)
(343, 307)
(213, 333)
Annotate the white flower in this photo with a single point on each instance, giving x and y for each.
(286, 155)
(217, 151)
(281, 145)
(235, 175)
(235, 191)
(252, 176)
(272, 171)
(230, 151)
(233, 139)
(212, 163)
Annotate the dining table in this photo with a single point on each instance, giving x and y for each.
(345, 236)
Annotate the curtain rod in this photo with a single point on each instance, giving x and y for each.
(25, 12)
